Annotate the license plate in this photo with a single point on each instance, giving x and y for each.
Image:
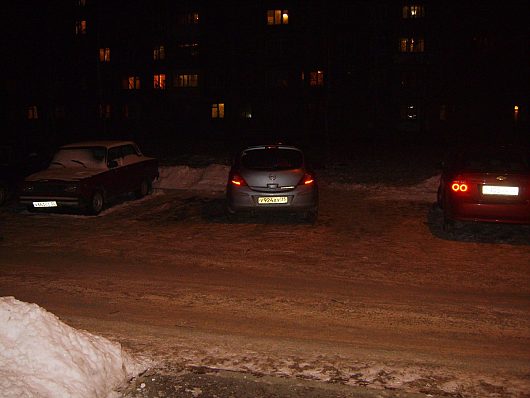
(265, 200)
(51, 203)
(497, 190)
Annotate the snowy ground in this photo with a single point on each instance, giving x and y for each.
(375, 294)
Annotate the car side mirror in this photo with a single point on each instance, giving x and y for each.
(112, 164)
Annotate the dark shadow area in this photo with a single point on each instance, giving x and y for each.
(478, 232)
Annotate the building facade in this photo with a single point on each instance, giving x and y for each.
(305, 69)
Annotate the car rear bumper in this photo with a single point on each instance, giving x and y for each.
(245, 199)
(505, 213)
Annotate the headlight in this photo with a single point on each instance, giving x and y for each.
(72, 188)
(27, 187)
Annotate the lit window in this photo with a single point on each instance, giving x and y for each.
(104, 111)
(159, 53)
(104, 54)
(159, 81)
(186, 80)
(411, 45)
(218, 111)
(316, 78)
(80, 27)
(81, 3)
(191, 18)
(413, 11)
(32, 112)
(131, 83)
(277, 17)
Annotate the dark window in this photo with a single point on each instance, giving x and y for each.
(272, 159)
(494, 162)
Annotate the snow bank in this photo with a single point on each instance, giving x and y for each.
(211, 178)
(424, 191)
(214, 177)
(40, 356)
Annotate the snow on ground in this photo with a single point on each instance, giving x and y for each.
(424, 191)
(40, 356)
(211, 178)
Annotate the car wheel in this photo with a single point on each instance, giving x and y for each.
(145, 189)
(96, 203)
(3, 193)
(230, 213)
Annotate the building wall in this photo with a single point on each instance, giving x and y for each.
(335, 70)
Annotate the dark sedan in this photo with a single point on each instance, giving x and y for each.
(86, 174)
(487, 184)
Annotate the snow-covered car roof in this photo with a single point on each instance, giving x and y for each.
(102, 143)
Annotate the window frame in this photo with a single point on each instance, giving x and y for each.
(276, 17)
(159, 81)
(217, 111)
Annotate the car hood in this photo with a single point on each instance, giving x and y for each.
(63, 174)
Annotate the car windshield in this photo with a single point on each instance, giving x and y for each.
(86, 157)
(494, 161)
(272, 159)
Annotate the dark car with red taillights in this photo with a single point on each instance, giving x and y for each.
(486, 184)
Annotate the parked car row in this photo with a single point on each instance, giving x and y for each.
(479, 184)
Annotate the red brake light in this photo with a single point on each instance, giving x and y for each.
(237, 180)
(459, 186)
(307, 179)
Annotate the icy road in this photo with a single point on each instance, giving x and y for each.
(374, 294)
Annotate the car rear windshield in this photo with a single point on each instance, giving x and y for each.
(508, 162)
(272, 159)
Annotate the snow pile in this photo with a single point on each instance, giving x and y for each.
(211, 178)
(424, 191)
(40, 356)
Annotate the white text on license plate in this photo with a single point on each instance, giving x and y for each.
(265, 200)
(497, 190)
(51, 203)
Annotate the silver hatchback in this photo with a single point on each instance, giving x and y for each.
(272, 178)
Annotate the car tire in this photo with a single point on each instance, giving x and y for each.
(144, 190)
(96, 204)
(230, 214)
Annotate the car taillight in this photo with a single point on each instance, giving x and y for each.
(459, 186)
(307, 179)
(237, 180)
